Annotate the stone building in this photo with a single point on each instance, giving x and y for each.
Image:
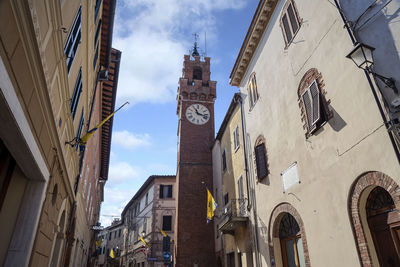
(150, 210)
(53, 56)
(234, 234)
(321, 132)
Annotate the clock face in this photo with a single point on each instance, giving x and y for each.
(197, 114)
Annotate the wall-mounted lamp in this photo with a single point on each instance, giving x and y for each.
(143, 233)
(362, 57)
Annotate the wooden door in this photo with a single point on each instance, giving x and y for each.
(384, 240)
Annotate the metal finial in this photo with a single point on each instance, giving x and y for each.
(195, 53)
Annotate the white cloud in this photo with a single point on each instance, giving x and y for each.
(129, 140)
(115, 200)
(122, 171)
(153, 36)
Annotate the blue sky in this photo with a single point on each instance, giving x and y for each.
(153, 36)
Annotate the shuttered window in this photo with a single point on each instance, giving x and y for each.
(252, 90)
(224, 161)
(311, 100)
(78, 134)
(261, 161)
(236, 138)
(290, 22)
(73, 41)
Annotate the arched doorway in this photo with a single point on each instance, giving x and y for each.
(287, 238)
(291, 242)
(374, 214)
(384, 225)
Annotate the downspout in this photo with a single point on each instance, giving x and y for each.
(387, 123)
(251, 196)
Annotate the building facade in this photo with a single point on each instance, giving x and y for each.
(151, 210)
(321, 132)
(234, 233)
(51, 54)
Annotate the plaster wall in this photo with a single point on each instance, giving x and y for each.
(354, 141)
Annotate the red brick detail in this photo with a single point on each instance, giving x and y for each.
(274, 222)
(364, 181)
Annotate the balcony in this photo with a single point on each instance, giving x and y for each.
(233, 216)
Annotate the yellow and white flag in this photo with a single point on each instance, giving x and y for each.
(112, 255)
(211, 206)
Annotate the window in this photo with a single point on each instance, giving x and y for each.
(167, 223)
(119, 233)
(314, 107)
(253, 92)
(236, 138)
(109, 236)
(261, 158)
(96, 10)
(147, 198)
(165, 191)
(224, 161)
(73, 40)
(96, 56)
(76, 94)
(226, 198)
(96, 36)
(145, 225)
(197, 74)
(79, 131)
(290, 22)
(7, 165)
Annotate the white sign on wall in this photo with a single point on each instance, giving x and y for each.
(290, 177)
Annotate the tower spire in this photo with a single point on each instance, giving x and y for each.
(195, 52)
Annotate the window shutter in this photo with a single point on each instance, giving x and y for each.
(261, 161)
(315, 102)
(224, 161)
(286, 28)
(293, 19)
(161, 191)
(169, 191)
(308, 108)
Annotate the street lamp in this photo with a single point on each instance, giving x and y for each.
(361, 55)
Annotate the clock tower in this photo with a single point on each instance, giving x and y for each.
(194, 238)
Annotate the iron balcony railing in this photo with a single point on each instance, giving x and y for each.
(236, 207)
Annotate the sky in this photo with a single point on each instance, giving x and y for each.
(153, 36)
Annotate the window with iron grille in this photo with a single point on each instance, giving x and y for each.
(314, 107)
(252, 91)
(73, 40)
(76, 94)
(290, 22)
(165, 191)
(167, 223)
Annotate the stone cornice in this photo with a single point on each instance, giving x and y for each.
(257, 27)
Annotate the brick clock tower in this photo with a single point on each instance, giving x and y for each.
(194, 238)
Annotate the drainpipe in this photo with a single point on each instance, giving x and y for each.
(251, 195)
(387, 123)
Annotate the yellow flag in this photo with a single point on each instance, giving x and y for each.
(98, 242)
(211, 206)
(163, 233)
(86, 137)
(112, 254)
(141, 239)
